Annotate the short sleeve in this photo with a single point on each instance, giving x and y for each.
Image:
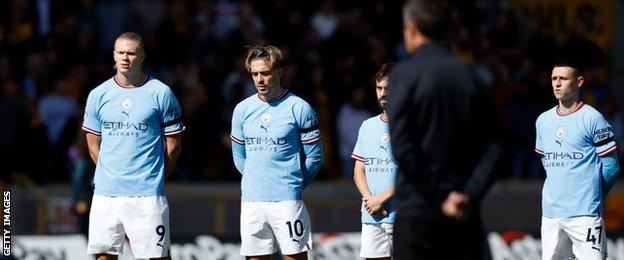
(171, 114)
(308, 125)
(357, 150)
(236, 134)
(91, 121)
(602, 135)
(538, 138)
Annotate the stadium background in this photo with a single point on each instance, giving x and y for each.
(52, 53)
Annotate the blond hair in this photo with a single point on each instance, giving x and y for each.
(268, 53)
(131, 36)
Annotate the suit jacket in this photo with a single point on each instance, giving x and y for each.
(443, 131)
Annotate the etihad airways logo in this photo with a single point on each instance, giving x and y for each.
(265, 141)
(380, 165)
(265, 144)
(379, 161)
(562, 156)
(125, 126)
(561, 159)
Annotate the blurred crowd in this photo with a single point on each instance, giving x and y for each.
(52, 53)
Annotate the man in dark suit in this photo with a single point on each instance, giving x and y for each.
(443, 134)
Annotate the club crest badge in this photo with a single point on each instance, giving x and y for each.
(266, 117)
(560, 132)
(384, 138)
(126, 103)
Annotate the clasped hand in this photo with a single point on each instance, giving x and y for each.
(457, 206)
(374, 206)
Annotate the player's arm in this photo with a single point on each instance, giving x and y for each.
(93, 143)
(238, 154)
(359, 177)
(313, 160)
(238, 139)
(375, 205)
(312, 147)
(385, 196)
(174, 148)
(609, 172)
(91, 125)
(172, 128)
(372, 204)
(606, 148)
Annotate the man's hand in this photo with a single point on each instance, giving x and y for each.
(457, 206)
(374, 206)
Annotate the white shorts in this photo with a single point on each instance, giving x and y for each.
(144, 220)
(582, 236)
(376, 240)
(267, 226)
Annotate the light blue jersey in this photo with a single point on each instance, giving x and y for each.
(573, 148)
(275, 146)
(373, 149)
(131, 122)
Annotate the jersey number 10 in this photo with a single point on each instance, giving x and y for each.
(298, 227)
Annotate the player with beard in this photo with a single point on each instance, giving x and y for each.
(374, 174)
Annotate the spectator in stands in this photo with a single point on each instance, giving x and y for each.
(348, 120)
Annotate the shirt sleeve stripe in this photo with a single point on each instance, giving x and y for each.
(605, 152)
(309, 129)
(173, 122)
(603, 142)
(176, 131)
(357, 157)
(239, 141)
(309, 141)
(84, 128)
(539, 151)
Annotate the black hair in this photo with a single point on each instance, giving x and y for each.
(383, 71)
(432, 17)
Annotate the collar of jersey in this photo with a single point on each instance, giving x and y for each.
(131, 86)
(382, 118)
(580, 105)
(281, 96)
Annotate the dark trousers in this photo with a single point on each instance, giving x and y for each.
(439, 238)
